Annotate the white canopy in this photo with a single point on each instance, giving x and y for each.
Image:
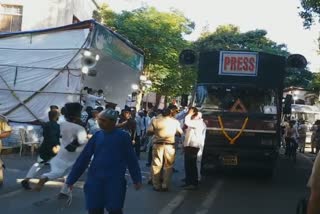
(43, 68)
(297, 108)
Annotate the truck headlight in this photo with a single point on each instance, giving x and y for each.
(266, 142)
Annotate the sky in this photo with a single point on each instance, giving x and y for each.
(279, 17)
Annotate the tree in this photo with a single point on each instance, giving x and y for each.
(160, 36)
(229, 37)
(299, 78)
(310, 11)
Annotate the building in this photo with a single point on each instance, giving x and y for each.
(24, 15)
(301, 95)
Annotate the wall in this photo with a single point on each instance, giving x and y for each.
(39, 14)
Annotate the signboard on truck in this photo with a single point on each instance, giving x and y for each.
(238, 63)
(241, 67)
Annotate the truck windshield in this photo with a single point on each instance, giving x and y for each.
(236, 99)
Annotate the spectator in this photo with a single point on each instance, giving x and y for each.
(92, 125)
(127, 124)
(194, 140)
(54, 108)
(90, 99)
(314, 130)
(302, 131)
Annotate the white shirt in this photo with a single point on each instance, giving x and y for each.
(90, 100)
(195, 133)
(69, 132)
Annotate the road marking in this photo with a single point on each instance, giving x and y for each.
(174, 204)
(211, 197)
(9, 194)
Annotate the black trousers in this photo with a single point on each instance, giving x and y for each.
(137, 146)
(291, 146)
(190, 165)
(101, 211)
(150, 155)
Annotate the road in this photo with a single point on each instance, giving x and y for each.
(220, 194)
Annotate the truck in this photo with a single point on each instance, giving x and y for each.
(240, 96)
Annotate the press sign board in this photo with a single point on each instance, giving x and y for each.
(235, 63)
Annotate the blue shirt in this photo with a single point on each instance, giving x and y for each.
(112, 154)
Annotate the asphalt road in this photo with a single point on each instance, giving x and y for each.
(231, 193)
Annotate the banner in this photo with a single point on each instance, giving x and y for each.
(108, 43)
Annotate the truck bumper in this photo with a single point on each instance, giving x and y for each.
(223, 158)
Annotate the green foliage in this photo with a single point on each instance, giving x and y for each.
(229, 37)
(310, 11)
(315, 82)
(160, 36)
(299, 78)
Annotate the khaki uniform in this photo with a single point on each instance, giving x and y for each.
(4, 127)
(164, 129)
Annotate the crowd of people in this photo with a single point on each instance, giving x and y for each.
(293, 139)
(107, 142)
(294, 134)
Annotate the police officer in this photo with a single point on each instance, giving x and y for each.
(5, 131)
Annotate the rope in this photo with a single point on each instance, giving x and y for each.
(232, 140)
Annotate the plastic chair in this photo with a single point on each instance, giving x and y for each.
(23, 142)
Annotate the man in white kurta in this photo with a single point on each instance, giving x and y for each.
(193, 145)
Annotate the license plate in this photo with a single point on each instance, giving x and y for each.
(230, 160)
